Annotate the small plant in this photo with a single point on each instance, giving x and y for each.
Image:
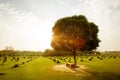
(14, 58)
(16, 65)
(2, 73)
(64, 59)
(27, 61)
(23, 62)
(60, 58)
(69, 60)
(58, 62)
(4, 60)
(81, 60)
(114, 57)
(98, 57)
(110, 57)
(54, 60)
(90, 59)
(101, 58)
(17, 59)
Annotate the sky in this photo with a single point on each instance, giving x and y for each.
(27, 24)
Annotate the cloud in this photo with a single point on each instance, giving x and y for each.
(19, 27)
(106, 14)
(12, 18)
(22, 17)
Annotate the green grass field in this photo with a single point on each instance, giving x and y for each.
(41, 68)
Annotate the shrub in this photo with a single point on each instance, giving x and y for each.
(2, 73)
(16, 65)
(64, 59)
(13, 58)
(58, 62)
(54, 60)
(4, 60)
(90, 59)
(101, 58)
(98, 57)
(114, 57)
(23, 62)
(69, 60)
(17, 59)
(27, 61)
(60, 58)
(81, 60)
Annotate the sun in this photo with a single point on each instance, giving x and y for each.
(33, 35)
(41, 37)
(45, 38)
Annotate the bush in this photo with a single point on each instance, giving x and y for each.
(16, 65)
(64, 59)
(54, 60)
(114, 57)
(69, 60)
(2, 73)
(4, 60)
(90, 59)
(23, 62)
(27, 61)
(17, 59)
(58, 62)
(81, 60)
(101, 58)
(60, 58)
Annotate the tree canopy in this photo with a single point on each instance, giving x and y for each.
(74, 33)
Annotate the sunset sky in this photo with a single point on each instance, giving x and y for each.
(27, 24)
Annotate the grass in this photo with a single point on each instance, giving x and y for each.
(107, 69)
(41, 68)
(38, 69)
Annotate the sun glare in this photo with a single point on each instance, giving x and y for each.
(37, 33)
(41, 37)
(45, 38)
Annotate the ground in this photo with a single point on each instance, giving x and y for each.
(80, 70)
(44, 68)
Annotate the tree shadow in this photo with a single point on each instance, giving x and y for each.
(2, 74)
(106, 76)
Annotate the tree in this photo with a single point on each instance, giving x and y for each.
(9, 48)
(74, 33)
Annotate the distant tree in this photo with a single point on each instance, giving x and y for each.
(10, 48)
(73, 34)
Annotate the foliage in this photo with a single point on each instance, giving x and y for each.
(49, 52)
(73, 34)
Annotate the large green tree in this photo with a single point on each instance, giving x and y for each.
(74, 33)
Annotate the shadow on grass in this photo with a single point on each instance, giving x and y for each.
(2, 74)
(106, 76)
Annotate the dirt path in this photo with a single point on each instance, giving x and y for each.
(80, 70)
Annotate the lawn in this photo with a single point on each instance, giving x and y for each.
(41, 68)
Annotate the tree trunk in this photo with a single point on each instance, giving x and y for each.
(74, 57)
